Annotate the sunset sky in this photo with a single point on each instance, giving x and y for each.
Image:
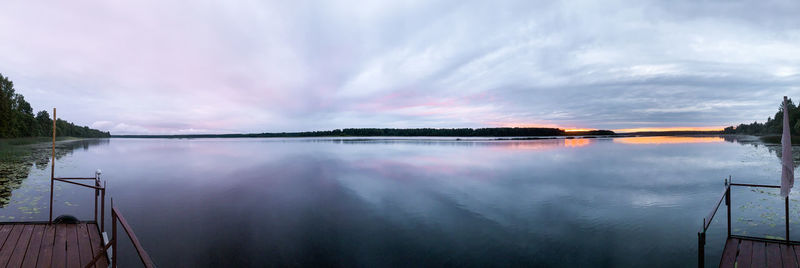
(178, 67)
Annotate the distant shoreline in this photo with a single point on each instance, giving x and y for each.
(583, 134)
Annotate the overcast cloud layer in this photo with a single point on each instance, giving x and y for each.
(155, 67)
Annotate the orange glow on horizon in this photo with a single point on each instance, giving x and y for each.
(621, 130)
(667, 140)
(578, 129)
(662, 129)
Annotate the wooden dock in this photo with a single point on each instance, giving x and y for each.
(743, 253)
(50, 245)
(749, 251)
(53, 244)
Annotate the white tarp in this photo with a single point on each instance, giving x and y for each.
(787, 172)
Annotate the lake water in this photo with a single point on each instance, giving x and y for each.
(608, 202)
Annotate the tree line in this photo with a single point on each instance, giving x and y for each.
(17, 119)
(397, 132)
(773, 125)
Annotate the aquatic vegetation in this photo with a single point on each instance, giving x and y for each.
(19, 156)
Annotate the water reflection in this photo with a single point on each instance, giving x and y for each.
(14, 171)
(667, 140)
(411, 202)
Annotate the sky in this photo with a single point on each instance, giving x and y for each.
(182, 67)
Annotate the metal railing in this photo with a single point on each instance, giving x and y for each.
(726, 196)
(115, 215)
(98, 192)
(112, 243)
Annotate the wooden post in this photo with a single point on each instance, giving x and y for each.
(53, 166)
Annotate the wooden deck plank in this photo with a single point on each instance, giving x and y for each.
(97, 244)
(5, 229)
(84, 244)
(34, 246)
(787, 256)
(45, 245)
(729, 253)
(773, 255)
(743, 260)
(21, 247)
(45, 258)
(796, 249)
(60, 247)
(759, 257)
(73, 252)
(8, 246)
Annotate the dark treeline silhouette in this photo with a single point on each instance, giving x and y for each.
(398, 132)
(17, 119)
(773, 126)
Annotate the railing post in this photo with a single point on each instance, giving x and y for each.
(96, 194)
(787, 218)
(701, 244)
(113, 237)
(103, 209)
(53, 167)
(728, 204)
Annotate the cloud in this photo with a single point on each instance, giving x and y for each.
(254, 66)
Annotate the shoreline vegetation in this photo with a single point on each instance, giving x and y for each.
(499, 133)
(18, 121)
(770, 131)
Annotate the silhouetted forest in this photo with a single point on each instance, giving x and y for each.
(399, 132)
(773, 126)
(17, 119)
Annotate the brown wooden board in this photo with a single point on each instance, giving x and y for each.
(787, 256)
(73, 252)
(729, 253)
(34, 246)
(5, 229)
(759, 254)
(84, 244)
(60, 246)
(774, 255)
(745, 254)
(8, 246)
(796, 249)
(97, 244)
(45, 258)
(21, 247)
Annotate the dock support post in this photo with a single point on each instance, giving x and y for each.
(113, 236)
(787, 217)
(103, 208)
(96, 194)
(701, 244)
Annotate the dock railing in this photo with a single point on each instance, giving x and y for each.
(726, 196)
(99, 191)
(116, 217)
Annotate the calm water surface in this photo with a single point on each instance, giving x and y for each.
(622, 202)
